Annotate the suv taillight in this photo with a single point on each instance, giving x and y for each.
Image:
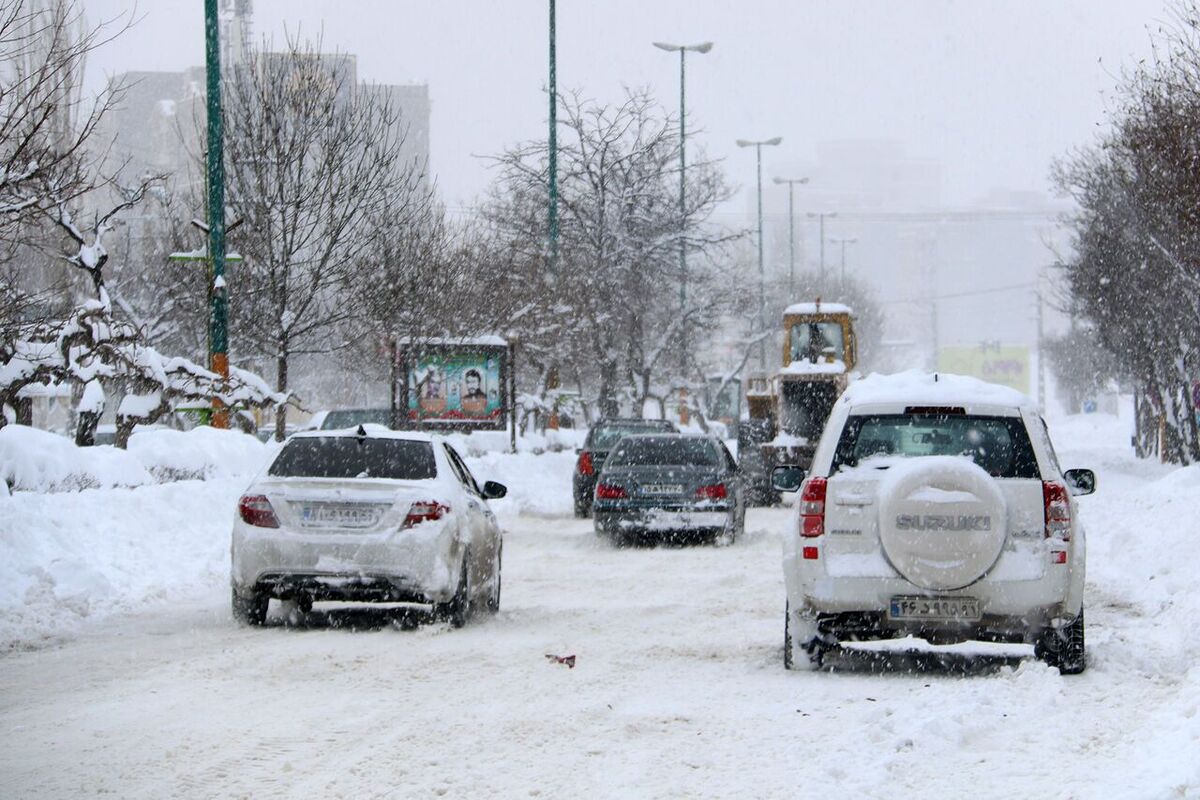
(606, 491)
(585, 466)
(424, 511)
(716, 491)
(256, 510)
(812, 507)
(1058, 510)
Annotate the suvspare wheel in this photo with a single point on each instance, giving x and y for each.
(942, 521)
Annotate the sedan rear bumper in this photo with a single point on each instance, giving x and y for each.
(651, 520)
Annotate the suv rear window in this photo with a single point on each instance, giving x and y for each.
(1000, 445)
(603, 437)
(664, 451)
(351, 457)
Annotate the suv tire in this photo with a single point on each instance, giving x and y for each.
(249, 609)
(1064, 648)
(805, 652)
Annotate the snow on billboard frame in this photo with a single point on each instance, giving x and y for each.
(452, 384)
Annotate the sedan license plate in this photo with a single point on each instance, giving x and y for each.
(936, 608)
(662, 488)
(329, 515)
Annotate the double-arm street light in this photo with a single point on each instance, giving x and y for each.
(762, 290)
(791, 184)
(843, 242)
(822, 216)
(683, 50)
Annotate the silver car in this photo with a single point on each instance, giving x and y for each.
(669, 486)
(367, 515)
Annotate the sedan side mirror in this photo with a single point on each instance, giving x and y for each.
(494, 491)
(787, 478)
(1080, 481)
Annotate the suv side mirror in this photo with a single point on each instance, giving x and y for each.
(1080, 481)
(494, 491)
(787, 478)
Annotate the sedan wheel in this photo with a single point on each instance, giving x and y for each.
(493, 603)
(250, 609)
(458, 611)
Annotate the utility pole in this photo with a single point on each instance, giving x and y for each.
(843, 242)
(791, 184)
(683, 50)
(553, 211)
(762, 275)
(218, 327)
(820, 217)
(1041, 378)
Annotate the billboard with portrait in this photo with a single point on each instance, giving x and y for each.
(1007, 365)
(452, 386)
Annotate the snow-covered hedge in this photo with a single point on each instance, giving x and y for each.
(38, 461)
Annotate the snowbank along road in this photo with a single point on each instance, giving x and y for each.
(678, 688)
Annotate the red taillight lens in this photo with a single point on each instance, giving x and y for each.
(255, 509)
(606, 491)
(716, 491)
(1058, 510)
(425, 511)
(812, 507)
(585, 466)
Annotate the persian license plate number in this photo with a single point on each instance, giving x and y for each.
(662, 488)
(339, 516)
(944, 608)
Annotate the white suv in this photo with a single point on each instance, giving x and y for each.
(934, 506)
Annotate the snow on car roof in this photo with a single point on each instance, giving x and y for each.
(916, 387)
(372, 430)
(818, 308)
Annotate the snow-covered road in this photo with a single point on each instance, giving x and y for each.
(678, 688)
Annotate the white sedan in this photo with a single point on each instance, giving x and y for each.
(367, 514)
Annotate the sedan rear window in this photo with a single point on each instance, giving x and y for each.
(664, 451)
(354, 457)
(603, 437)
(1000, 445)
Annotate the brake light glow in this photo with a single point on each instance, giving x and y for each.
(812, 507)
(716, 491)
(425, 511)
(606, 491)
(812, 553)
(585, 465)
(256, 510)
(1058, 510)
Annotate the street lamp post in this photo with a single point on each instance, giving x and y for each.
(791, 184)
(822, 216)
(762, 275)
(683, 50)
(218, 329)
(843, 242)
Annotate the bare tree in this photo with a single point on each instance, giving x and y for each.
(615, 302)
(312, 162)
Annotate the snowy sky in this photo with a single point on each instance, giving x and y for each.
(994, 89)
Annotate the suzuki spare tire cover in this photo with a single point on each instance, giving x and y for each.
(942, 521)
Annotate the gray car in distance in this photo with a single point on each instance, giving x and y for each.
(669, 487)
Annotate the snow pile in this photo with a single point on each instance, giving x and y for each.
(67, 557)
(915, 387)
(538, 485)
(38, 461)
(202, 453)
(34, 460)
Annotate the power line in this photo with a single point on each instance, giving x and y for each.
(993, 290)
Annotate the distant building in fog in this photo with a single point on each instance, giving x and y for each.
(947, 275)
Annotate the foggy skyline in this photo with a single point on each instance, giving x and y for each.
(994, 91)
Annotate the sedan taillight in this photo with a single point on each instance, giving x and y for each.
(256, 510)
(606, 491)
(425, 511)
(716, 491)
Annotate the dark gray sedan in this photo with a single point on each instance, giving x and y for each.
(669, 486)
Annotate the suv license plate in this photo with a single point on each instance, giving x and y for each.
(940, 608)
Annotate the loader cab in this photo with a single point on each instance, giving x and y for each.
(819, 333)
